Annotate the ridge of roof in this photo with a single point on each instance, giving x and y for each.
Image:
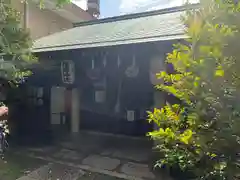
(139, 15)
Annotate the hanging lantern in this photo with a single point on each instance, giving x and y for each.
(68, 71)
(132, 71)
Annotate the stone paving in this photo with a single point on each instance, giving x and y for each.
(69, 155)
(54, 172)
(137, 170)
(101, 162)
(128, 154)
(122, 161)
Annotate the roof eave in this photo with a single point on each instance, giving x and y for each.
(108, 44)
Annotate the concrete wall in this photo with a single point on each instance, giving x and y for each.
(42, 22)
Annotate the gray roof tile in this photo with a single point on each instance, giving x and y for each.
(137, 28)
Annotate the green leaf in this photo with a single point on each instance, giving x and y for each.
(219, 73)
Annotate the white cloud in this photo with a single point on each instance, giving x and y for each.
(81, 3)
(132, 6)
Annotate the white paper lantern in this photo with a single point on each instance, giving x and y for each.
(68, 71)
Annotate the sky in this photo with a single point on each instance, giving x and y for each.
(109, 8)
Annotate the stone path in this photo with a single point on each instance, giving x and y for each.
(54, 172)
(137, 170)
(101, 162)
(119, 157)
(110, 162)
(62, 172)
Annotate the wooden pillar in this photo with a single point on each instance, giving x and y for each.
(75, 111)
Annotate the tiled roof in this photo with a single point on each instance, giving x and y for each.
(151, 26)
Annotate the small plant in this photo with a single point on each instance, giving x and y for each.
(4, 130)
(201, 136)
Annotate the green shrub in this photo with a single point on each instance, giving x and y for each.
(200, 136)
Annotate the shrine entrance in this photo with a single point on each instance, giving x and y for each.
(100, 89)
(117, 91)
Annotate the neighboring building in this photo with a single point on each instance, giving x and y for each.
(101, 73)
(93, 7)
(51, 19)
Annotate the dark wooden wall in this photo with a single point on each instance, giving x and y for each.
(136, 93)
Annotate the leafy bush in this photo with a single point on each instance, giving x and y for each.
(200, 135)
